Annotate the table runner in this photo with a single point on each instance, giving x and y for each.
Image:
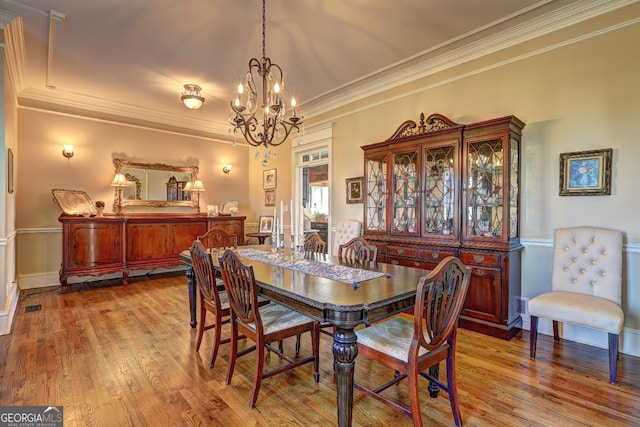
(339, 273)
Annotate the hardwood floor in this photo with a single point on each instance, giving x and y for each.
(117, 355)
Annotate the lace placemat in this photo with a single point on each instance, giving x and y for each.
(339, 273)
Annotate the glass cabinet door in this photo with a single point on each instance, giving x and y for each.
(485, 189)
(405, 191)
(514, 185)
(376, 193)
(440, 210)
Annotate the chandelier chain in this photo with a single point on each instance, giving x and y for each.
(275, 127)
(264, 32)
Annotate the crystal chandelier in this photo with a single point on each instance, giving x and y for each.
(275, 128)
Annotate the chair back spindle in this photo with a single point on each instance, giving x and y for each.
(240, 284)
(358, 249)
(439, 301)
(218, 239)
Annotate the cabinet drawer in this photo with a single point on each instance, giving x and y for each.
(433, 255)
(481, 258)
(409, 263)
(402, 251)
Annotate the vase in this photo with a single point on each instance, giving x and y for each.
(99, 211)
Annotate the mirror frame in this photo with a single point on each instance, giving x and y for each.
(119, 164)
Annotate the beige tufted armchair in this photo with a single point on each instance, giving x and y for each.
(586, 286)
(345, 230)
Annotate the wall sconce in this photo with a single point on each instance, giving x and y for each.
(67, 151)
(119, 181)
(226, 169)
(191, 97)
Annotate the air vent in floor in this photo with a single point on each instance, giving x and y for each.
(31, 308)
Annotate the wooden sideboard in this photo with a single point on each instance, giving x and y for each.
(118, 244)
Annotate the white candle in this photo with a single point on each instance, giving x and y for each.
(281, 230)
(291, 223)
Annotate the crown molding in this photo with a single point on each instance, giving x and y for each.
(427, 65)
(15, 52)
(80, 104)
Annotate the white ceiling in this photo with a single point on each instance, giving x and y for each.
(131, 58)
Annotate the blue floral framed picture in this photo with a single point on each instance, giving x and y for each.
(586, 173)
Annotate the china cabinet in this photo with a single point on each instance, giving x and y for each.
(438, 188)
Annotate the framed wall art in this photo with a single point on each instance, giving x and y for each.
(266, 224)
(269, 179)
(586, 173)
(354, 189)
(270, 198)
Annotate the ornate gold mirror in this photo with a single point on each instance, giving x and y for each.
(155, 184)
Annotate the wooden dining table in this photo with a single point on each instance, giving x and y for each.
(344, 305)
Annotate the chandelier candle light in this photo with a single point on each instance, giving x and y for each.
(275, 128)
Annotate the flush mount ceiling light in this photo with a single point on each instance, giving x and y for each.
(275, 128)
(191, 97)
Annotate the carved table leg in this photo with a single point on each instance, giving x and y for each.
(192, 285)
(345, 350)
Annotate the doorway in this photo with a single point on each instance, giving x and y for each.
(313, 189)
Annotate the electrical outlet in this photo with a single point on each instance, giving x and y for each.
(523, 306)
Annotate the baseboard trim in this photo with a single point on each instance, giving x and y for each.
(7, 315)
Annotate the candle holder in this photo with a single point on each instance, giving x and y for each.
(297, 248)
(274, 239)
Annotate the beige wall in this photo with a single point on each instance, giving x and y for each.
(42, 168)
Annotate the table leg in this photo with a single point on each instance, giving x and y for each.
(345, 350)
(191, 286)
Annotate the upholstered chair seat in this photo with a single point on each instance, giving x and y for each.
(392, 337)
(586, 286)
(584, 310)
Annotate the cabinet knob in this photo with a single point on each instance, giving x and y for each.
(478, 258)
(400, 251)
(394, 262)
(435, 255)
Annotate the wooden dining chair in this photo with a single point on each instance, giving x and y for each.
(211, 299)
(262, 324)
(218, 239)
(313, 243)
(410, 348)
(358, 249)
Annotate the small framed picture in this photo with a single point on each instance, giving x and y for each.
(266, 224)
(270, 198)
(586, 173)
(269, 179)
(354, 189)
